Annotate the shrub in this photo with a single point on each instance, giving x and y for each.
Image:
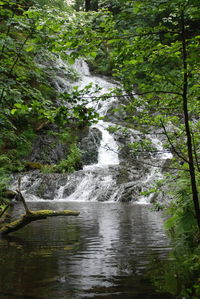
(72, 162)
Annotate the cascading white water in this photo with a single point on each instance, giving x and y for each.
(108, 150)
(90, 183)
(90, 186)
(111, 178)
(155, 173)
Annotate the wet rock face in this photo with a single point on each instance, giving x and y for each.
(59, 74)
(126, 137)
(123, 182)
(90, 145)
(113, 183)
(47, 149)
(40, 185)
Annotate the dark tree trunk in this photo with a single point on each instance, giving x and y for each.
(187, 126)
(87, 5)
(91, 5)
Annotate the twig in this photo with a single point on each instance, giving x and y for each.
(20, 196)
(172, 146)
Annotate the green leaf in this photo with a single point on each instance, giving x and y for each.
(29, 48)
(93, 54)
(13, 111)
(18, 105)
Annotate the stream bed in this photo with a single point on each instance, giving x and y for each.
(109, 251)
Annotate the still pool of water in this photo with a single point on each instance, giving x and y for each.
(108, 251)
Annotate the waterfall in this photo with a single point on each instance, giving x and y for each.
(94, 183)
(155, 173)
(108, 150)
(112, 177)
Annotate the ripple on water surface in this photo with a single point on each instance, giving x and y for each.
(105, 252)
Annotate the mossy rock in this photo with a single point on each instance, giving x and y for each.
(33, 165)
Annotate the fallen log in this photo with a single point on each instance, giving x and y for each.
(33, 216)
(30, 216)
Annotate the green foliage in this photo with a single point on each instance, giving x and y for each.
(32, 40)
(71, 163)
(61, 4)
(143, 146)
(47, 168)
(113, 129)
(181, 222)
(24, 143)
(180, 274)
(68, 165)
(64, 136)
(15, 147)
(4, 178)
(10, 163)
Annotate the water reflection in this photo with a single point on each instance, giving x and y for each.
(103, 253)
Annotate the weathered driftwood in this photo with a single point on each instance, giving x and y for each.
(31, 215)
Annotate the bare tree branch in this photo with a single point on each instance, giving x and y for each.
(20, 196)
(171, 144)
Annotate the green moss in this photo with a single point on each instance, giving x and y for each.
(33, 216)
(48, 169)
(54, 213)
(69, 247)
(42, 212)
(4, 179)
(33, 165)
(72, 162)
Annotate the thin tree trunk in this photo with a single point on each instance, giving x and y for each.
(187, 126)
(22, 198)
(87, 5)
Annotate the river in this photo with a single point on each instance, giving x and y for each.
(109, 251)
